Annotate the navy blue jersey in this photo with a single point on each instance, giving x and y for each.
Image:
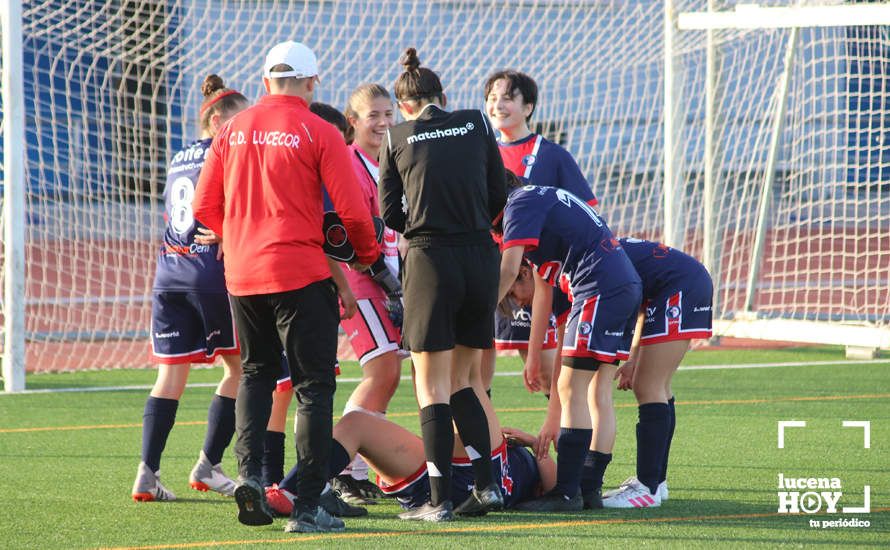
(661, 267)
(569, 244)
(547, 164)
(184, 265)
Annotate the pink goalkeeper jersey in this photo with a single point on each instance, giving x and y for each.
(366, 171)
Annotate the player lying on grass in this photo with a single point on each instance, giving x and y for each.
(510, 101)
(567, 244)
(398, 457)
(677, 296)
(191, 316)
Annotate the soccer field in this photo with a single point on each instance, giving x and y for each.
(67, 462)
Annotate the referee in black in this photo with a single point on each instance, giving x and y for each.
(441, 184)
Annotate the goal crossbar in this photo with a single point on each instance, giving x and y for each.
(753, 16)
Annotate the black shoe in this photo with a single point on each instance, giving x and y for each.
(317, 521)
(593, 500)
(481, 502)
(354, 491)
(335, 506)
(553, 502)
(428, 512)
(252, 506)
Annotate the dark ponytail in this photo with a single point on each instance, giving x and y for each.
(416, 83)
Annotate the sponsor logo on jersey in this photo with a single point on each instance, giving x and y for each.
(522, 315)
(188, 155)
(439, 134)
(584, 328)
(528, 160)
(186, 250)
(673, 312)
(213, 333)
(614, 333)
(696, 309)
(163, 335)
(650, 311)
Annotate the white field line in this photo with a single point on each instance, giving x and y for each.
(507, 373)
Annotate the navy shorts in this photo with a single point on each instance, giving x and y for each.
(679, 313)
(191, 327)
(601, 326)
(512, 331)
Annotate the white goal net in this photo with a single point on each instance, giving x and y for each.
(112, 91)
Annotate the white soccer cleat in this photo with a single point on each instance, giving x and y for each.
(663, 490)
(209, 477)
(147, 486)
(633, 495)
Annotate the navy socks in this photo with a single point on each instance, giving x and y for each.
(594, 471)
(652, 437)
(220, 427)
(157, 421)
(273, 458)
(571, 448)
(667, 448)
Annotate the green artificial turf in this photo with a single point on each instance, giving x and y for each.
(70, 488)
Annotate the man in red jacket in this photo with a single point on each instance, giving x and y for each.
(261, 191)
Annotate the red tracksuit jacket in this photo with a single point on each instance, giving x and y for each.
(261, 191)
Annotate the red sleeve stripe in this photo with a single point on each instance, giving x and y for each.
(533, 243)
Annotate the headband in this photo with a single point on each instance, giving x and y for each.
(215, 99)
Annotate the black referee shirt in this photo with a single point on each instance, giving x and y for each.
(441, 174)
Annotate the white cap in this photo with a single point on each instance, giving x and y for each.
(297, 55)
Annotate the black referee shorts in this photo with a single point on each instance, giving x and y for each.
(450, 296)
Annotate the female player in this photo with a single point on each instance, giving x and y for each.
(372, 334)
(191, 318)
(398, 457)
(441, 184)
(677, 295)
(510, 101)
(567, 244)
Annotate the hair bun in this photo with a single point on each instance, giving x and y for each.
(409, 60)
(212, 84)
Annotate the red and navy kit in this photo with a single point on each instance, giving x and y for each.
(572, 248)
(191, 318)
(513, 467)
(677, 292)
(546, 164)
(184, 265)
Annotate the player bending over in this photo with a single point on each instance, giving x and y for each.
(568, 245)
(677, 295)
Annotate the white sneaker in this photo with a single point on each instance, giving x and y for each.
(209, 477)
(663, 490)
(612, 492)
(147, 486)
(634, 495)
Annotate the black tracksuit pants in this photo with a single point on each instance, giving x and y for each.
(304, 321)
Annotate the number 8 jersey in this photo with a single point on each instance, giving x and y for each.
(183, 264)
(570, 246)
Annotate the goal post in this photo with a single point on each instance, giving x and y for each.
(805, 245)
(13, 307)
